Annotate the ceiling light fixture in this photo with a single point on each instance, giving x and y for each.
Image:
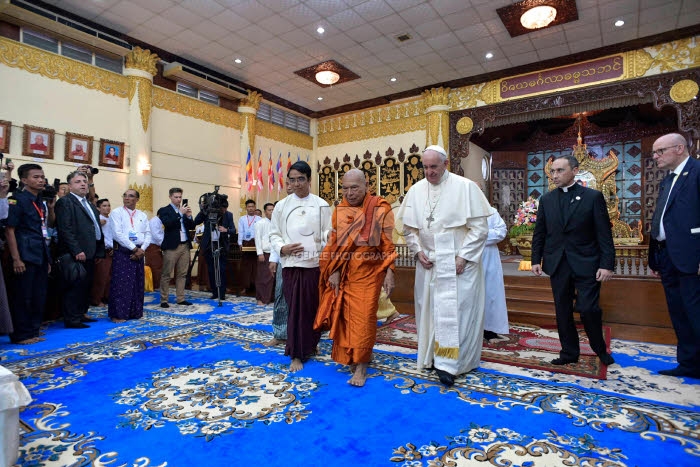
(238, 60)
(327, 77)
(538, 17)
(619, 23)
(320, 30)
(489, 55)
(320, 98)
(393, 80)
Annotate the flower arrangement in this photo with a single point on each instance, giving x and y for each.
(525, 218)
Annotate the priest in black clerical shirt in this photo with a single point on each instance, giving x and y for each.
(573, 242)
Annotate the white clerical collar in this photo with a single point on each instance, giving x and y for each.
(567, 188)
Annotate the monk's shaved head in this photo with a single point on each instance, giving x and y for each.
(354, 187)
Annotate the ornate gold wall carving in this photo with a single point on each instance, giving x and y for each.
(684, 91)
(284, 135)
(49, 65)
(145, 87)
(142, 59)
(145, 202)
(390, 180)
(373, 123)
(674, 56)
(436, 96)
(253, 100)
(248, 124)
(178, 103)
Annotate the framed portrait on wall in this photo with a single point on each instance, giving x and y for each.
(79, 148)
(38, 142)
(5, 128)
(111, 154)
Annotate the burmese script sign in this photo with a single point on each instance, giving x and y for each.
(570, 76)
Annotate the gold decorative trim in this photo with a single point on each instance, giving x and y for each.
(142, 59)
(178, 103)
(637, 63)
(436, 96)
(673, 56)
(253, 99)
(464, 125)
(248, 124)
(372, 123)
(684, 91)
(433, 133)
(49, 65)
(294, 138)
(145, 87)
(145, 202)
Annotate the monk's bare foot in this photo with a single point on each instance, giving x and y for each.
(260, 303)
(359, 376)
(296, 365)
(31, 340)
(40, 339)
(118, 321)
(391, 318)
(274, 341)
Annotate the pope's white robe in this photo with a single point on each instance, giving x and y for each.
(449, 307)
(495, 309)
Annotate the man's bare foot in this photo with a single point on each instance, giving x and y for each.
(359, 376)
(40, 339)
(260, 303)
(274, 341)
(118, 321)
(391, 318)
(296, 365)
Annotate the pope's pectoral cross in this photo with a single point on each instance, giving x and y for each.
(430, 219)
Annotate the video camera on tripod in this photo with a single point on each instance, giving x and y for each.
(211, 203)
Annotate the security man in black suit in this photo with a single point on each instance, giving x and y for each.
(80, 235)
(177, 222)
(27, 239)
(573, 236)
(226, 230)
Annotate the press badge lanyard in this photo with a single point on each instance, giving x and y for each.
(132, 234)
(131, 216)
(44, 230)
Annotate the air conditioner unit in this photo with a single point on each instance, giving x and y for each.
(201, 80)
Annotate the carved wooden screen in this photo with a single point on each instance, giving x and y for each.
(327, 184)
(507, 191)
(412, 171)
(343, 169)
(652, 182)
(370, 171)
(390, 180)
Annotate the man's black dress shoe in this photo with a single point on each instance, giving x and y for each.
(164, 305)
(77, 326)
(214, 297)
(678, 371)
(564, 361)
(607, 359)
(488, 335)
(184, 302)
(88, 320)
(445, 378)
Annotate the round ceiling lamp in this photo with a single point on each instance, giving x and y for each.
(327, 77)
(538, 17)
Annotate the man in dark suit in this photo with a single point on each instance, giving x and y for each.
(674, 247)
(226, 229)
(177, 222)
(80, 236)
(573, 236)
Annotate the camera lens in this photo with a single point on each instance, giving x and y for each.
(94, 170)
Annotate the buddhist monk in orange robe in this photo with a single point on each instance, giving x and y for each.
(357, 261)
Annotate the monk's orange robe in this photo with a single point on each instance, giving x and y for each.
(361, 248)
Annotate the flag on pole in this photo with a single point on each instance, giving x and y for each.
(249, 172)
(280, 174)
(259, 181)
(270, 174)
(289, 161)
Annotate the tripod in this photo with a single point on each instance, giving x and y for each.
(215, 246)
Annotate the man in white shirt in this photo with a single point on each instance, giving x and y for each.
(301, 223)
(246, 238)
(264, 280)
(103, 266)
(154, 255)
(131, 237)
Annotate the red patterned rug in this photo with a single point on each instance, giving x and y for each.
(526, 346)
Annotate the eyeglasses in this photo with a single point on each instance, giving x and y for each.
(660, 151)
(297, 180)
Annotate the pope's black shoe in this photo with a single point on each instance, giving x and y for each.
(564, 361)
(446, 378)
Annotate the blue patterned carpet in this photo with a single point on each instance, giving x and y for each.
(196, 387)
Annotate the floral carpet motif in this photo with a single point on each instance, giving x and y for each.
(526, 346)
(184, 388)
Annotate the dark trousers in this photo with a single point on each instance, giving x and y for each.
(28, 300)
(76, 295)
(221, 292)
(683, 301)
(585, 290)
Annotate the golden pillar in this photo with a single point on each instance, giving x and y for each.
(248, 108)
(140, 70)
(436, 102)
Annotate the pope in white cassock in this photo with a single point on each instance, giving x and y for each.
(445, 226)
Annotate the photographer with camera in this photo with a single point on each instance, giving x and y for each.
(177, 222)
(218, 231)
(27, 235)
